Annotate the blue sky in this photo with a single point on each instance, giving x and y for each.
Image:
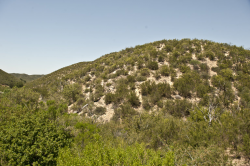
(41, 36)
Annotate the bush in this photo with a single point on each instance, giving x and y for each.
(133, 99)
(141, 78)
(204, 67)
(153, 53)
(32, 140)
(152, 65)
(71, 92)
(210, 55)
(145, 72)
(165, 71)
(200, 57)
(100, 111)
(160, 58)
(130, 78)
(168, 48)
(145, 103)
(124, 111)
(178, 108)
(109, 98)
(184, 68)
(99, 153)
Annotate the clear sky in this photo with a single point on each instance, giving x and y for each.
(41, 36)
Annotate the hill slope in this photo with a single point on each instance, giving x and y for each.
(170, 102)
(152, 77)
(26, 77)
(8, 79)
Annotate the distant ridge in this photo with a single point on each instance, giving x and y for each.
(27, 77)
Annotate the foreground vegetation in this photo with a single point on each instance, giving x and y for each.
(184, 103)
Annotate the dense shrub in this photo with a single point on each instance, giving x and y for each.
(168, 48)
(178, 108)
(210, 55)
(32, 140)
(133, 99)
(71, 92)
(152, 65)
(145, 72)
(153, 53)
(100, 111)
(164, 70)
(109, 98)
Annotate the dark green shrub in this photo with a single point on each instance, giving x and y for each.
(131, 78)
(148, 87)
(204, 67)
(157, 75)
(194, 62)
(164, 70)
(124, 111)
(215, 69)
(176, 54)
(168, 48)
(210, 55)
(140, 78)
(133, 99)
(71, 92)
(109, 98)
(153, 53)
(160, 58)
(87, 78)
(145, 103)
(152, 65)
(178, 108)
(145, 72)
(227, 74)
(187, 83)
(164, 90)
(100, 111)
(200, 57)
(184, 68)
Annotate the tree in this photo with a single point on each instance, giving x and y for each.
(71, 92)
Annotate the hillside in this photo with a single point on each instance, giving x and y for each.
(26, 77)
(8, 79)
(153, 75)
(170, 102)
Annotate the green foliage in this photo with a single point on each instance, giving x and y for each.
(210, 55)
(32, 140)
(168, 48)
(227, 74)
(153, 53)
(161, 58)
(71, 92)
(133, 99)
(178, 108)
(164, 70)
(187, 83)
(124, 111)
(152, 65)
(100, 111)
(145, 72)
(98, 153)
